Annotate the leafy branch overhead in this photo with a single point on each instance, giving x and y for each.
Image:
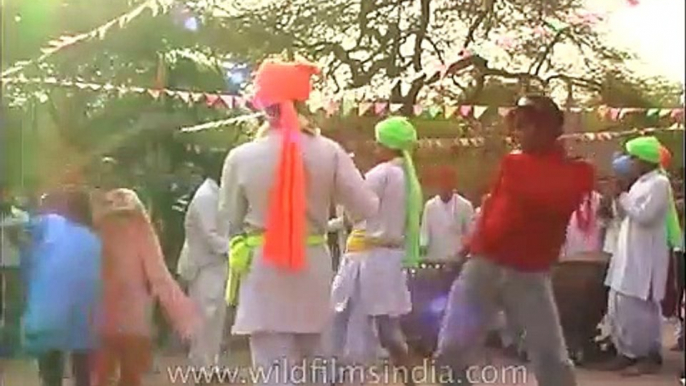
(399, 46)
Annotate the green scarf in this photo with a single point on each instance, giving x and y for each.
(647, 149)
(397, 133)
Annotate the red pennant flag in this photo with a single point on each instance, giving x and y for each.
(615, 113)
(380, 108)
(418, 110)
(677, 114)
(211, 99)
(465, 110)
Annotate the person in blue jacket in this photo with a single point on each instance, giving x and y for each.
(62, 270)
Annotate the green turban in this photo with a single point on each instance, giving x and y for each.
(397, 133)
(645, 148)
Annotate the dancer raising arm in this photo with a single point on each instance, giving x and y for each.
(518, 237)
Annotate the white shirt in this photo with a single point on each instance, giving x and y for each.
(204, 245)
(580, 241)
(640, 263)
(444, 225)
(388, 225)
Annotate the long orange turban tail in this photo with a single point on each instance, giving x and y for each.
(282, 84)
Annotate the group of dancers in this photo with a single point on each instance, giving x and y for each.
(268, 236)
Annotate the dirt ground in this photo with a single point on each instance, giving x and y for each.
(23, 373)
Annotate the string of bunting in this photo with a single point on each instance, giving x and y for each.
(340, 105)
(449, 143)
(155, 6)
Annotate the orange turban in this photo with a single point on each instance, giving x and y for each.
(665, 157)
(281, 84)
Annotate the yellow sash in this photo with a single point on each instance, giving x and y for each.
(359, 242)
(240, 259)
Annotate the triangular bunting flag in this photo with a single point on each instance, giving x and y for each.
(465, 110)
(239, 102)
(364, 107)
(434, 111)
(677, 114)
(155, 94)
(665, 112)
(418, 110)
(347, 106)
(184, 96)
(652, 112)
(615, 113)
(80, 85)
(479, 111)
(380, 108)
(503, 111)
(196, 97)
(450, 111)
(396, 107)
(211, 99)
(228, 101)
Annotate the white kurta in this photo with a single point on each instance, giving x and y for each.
(444, 226)
(373, 282)
(612, 227)
(203, 265)
(271, 300)
(580, 241)
(639, 266)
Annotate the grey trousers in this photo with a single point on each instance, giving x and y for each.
(475, 298)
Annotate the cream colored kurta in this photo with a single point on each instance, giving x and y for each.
(272, 300)
(639, 265)
(445, 225)
(373, 282)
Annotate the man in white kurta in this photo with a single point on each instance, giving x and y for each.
(203, 266)
(638, 270)
(446, 221)
(283, 311)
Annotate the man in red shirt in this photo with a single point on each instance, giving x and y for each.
(518, 237)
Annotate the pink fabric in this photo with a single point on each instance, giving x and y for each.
(135, 274)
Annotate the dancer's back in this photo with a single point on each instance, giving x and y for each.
(276, 300)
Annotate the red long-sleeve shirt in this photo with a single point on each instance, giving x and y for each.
(524, 221)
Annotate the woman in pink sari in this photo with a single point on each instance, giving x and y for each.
(134, 275)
